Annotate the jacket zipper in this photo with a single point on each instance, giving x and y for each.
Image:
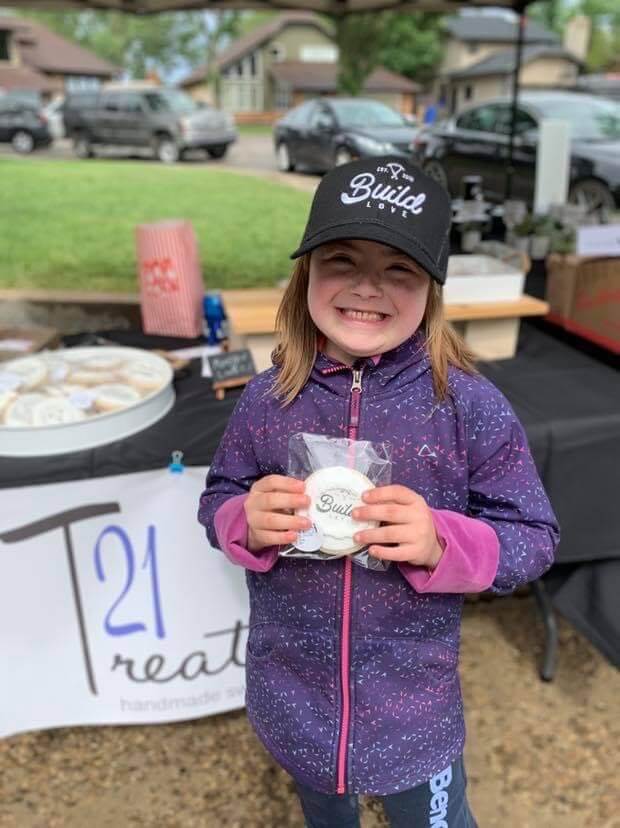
(343, 739)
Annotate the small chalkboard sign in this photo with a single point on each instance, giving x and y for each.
(231, 369)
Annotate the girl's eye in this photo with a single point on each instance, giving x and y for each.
(340, 258)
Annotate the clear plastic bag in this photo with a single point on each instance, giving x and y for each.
(337, 471)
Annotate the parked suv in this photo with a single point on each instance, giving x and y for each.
(166, 121)
(22, 125)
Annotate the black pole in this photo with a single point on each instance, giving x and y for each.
(520, 9)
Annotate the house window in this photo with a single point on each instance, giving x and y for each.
(318, 54)
(81, 83)
(252, 62)
(4, 45)
(239, 68)
(283, 97)
(469, 92)
(472, 47)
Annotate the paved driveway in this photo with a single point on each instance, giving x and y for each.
(252, 154)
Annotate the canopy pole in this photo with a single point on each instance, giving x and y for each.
(520, 6)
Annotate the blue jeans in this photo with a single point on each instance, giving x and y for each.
(439, 803)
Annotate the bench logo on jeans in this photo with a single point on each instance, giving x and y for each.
(438, 810)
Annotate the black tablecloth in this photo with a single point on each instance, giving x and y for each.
(567, 399)
(567, 395)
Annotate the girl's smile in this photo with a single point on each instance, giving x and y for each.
(366, 318)
(365, 297)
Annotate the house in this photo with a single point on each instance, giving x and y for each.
(35, 60)
(479, 59)
(281, 63)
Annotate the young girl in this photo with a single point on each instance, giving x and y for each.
(352, 678)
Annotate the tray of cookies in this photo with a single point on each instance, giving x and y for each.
(73, 399)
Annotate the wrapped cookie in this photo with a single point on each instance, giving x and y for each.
(337, 472)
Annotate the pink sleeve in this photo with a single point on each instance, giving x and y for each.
(231, 529)
(469, 561)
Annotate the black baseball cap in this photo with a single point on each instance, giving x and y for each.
(386, 199)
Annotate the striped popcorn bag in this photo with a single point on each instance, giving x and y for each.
(171, 287)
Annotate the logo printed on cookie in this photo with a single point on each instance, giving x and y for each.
(334, 492)
(338, 501)
(364, 187)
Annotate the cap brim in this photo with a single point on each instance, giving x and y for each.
(377, 233)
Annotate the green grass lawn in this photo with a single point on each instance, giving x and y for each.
(255, 129)
(70, 224)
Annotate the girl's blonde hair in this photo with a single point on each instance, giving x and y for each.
(296, 350)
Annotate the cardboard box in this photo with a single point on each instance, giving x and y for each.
(480, 279)
(21, 341)
(584, 297)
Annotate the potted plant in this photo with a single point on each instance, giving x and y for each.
(471, 234)
(543, 228)
(521, 234)
(563, 239)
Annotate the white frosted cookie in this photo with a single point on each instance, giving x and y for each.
(84, 376)
(19, 413)
(334, 492)
(68, 388)
(31, 370)
(6, 397)
(114, 396)
(57, 369)
(144, 375)
(55, 411)
(102, 362)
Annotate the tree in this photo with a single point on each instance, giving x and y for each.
(221, 28)
(550, 13)
(604, 16)
(605, 38)
(359, 38)
(161, 42)
(411, 45)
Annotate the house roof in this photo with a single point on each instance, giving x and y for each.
(42, 49)
(490, 28)
(257, 37)
(322, 77)
(503, 62)
(21, 78)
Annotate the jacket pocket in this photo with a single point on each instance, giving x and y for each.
(408, 710)
(291, 695)
(407, 662)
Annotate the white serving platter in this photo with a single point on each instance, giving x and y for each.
(148, 373)
(474, 279)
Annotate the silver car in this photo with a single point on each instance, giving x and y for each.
(167, 122)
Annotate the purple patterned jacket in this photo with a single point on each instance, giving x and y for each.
(352, 680)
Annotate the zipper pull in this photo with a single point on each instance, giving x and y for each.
(357, 380)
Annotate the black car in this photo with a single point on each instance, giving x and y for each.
(166, 122)
(325, 132)
(475, 142)
(22, 125)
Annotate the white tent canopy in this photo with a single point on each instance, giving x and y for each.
(337, 7)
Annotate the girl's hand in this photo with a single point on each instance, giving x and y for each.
(409, 526)
(268, 511)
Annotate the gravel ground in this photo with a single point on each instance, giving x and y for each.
(538, 755)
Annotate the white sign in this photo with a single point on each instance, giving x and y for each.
(598, 240)
(552, 164)
(114, 608)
